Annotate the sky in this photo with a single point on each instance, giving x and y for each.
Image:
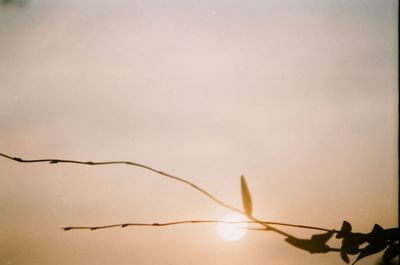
(299, 96)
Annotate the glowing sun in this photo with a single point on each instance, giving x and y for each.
(232, 232)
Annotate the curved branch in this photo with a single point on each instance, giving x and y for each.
(129, 163)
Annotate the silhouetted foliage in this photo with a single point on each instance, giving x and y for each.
(317, 243)
(391, 252)
(376, 241)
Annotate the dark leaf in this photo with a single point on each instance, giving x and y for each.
(391, 252)
(392, 234)
(377, 229)
(299, 243)
(346, 229)
(344, 257)
(352, 241)
(312, 246)
(246, 197)
(322, 238)
(370, 250)
(376, 235)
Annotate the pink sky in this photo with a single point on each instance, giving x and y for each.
(299, 96)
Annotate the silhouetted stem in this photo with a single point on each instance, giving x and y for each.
(196, 222)
(90, 163)
(201, 190)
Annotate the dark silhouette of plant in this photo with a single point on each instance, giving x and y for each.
(360, 244)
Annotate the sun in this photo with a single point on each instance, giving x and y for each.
(232, 232)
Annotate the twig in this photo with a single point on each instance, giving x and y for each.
(90, 163)
(195, 222)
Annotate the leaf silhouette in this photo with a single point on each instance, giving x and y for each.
(392, 234)
(345, 230)
(322, 238)
(351, 243)
(344, 257)
(317, 243)
(377, 242)
(391, 252)
(377, 235)
(246, 197)
(370, 250)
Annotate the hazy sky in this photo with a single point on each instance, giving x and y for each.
(300, 96)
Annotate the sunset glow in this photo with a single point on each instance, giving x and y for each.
(232, 232)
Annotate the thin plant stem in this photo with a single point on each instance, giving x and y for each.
(196, 222)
